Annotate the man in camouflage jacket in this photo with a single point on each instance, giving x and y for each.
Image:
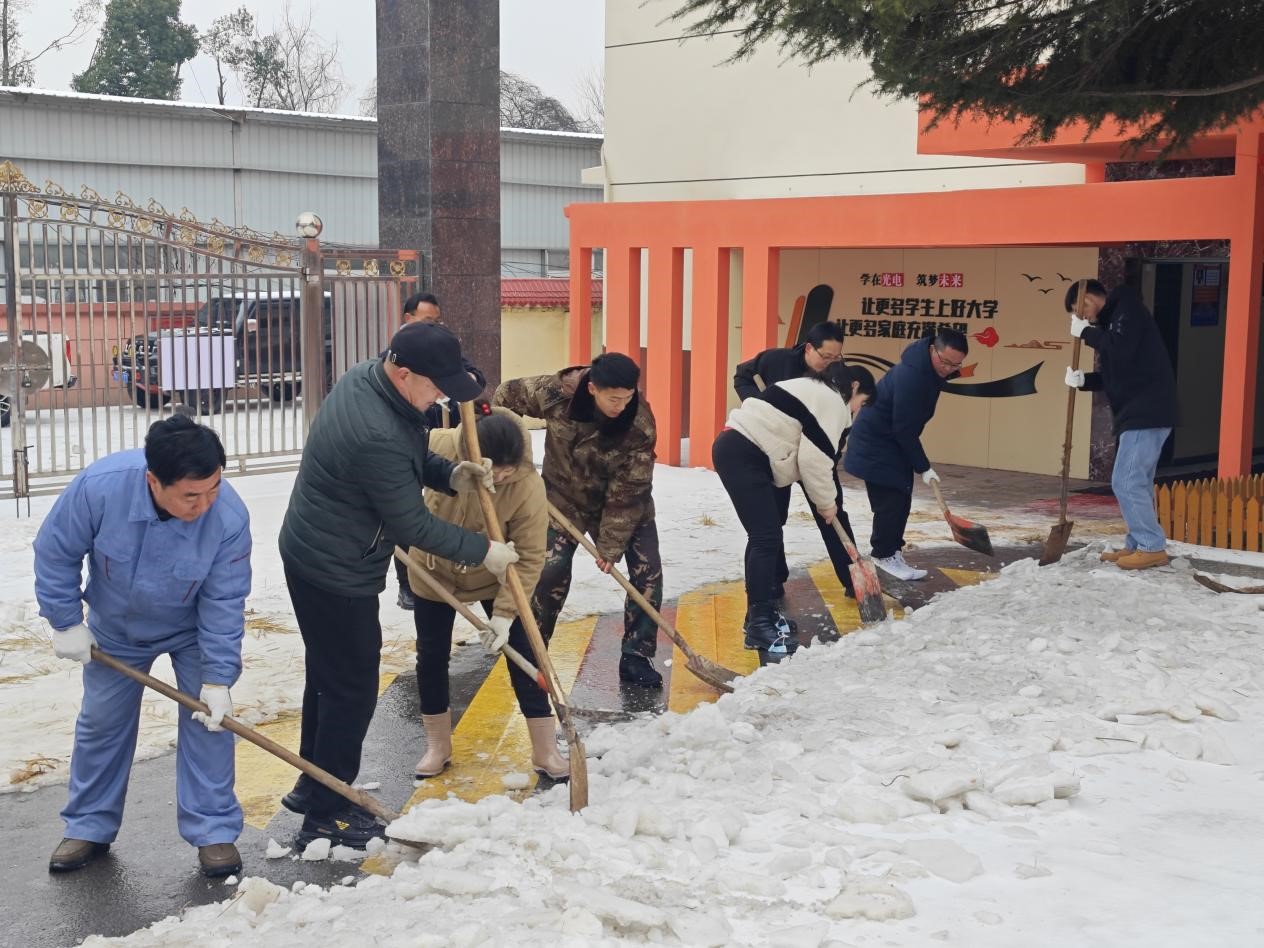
(598, 471)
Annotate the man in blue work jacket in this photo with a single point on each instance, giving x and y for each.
(168, 548)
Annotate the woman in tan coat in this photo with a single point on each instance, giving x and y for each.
(524, 517)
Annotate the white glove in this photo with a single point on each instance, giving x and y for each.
(496, 634)
(500, 556)
(1075, 377)
(75, 642)
(217, 698)
(929, 475)
(468, 475)
(1078, 325)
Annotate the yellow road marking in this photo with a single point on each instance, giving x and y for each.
(263, 779)
(710, 620)
(966, 577)
(491, 739)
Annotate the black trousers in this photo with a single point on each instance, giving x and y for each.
(746, 474)
(343, 642)
(891, 506)
(401, 573)
(434, 621)
(833, 545)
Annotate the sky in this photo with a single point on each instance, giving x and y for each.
(550, 42)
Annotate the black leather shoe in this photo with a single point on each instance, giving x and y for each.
(639, 670)
(299, 800)
(72, 854)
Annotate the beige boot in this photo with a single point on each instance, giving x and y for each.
(544, 756)
(438, 754)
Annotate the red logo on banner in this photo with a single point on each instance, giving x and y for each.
(988, 337)
(952, 280)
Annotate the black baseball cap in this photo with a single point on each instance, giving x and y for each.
(433, 351)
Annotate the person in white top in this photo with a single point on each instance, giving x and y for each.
(790, 432)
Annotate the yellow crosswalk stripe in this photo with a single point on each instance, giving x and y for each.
(705, 618)
(966, 577)
(491, 739)
(263, 779)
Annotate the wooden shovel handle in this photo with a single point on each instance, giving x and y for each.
(579, 771)
(1070, 421)
(939, 495)
(323, 777)
(468, 614)
(633, 593)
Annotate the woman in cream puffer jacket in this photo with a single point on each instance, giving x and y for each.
(524, 517)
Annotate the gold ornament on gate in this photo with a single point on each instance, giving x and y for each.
(116, 218)
(13, 181)
(397, 268)
(215, 244)
(284, 258)
(371, 268)
(38, 209)
(343, 267)
(255, 253)
(69, 211)
(90, 194)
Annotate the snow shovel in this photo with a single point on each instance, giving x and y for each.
(579, 766)
(323, 777)
(864, 579)
(510, 653)
(717, 676)
(1060, 532)
(1222, 588)
(971, 535)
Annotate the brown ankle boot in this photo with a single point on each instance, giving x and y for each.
(544, 756)
(1113, 556)
(438, 728)
(1140, 559)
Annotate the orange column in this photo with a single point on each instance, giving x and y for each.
(1242, 319)
(623, 301)
(1095, 173)
(665, 357)
(579, 330)
(709, 355)
(760, 267)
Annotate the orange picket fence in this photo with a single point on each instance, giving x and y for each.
(1220, 513)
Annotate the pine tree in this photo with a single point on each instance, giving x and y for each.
(140, 51)
(1175, 68)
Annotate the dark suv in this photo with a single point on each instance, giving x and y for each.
(265, 330)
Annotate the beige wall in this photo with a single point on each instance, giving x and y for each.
(683, 125)
(1022, 433)
(534, 341)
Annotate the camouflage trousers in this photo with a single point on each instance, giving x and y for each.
(644, 572)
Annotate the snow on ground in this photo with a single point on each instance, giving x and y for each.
(1062, 756)
(700, 538)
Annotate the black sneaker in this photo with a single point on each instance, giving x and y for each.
(639, 670)
(406, 601)
(350, 826)
(299, 800)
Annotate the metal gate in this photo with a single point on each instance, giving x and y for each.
(115, 315)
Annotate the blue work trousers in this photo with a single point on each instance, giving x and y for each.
(1132, 480)
(207, 810)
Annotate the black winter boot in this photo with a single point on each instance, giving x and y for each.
(765, 633)
(639, 670)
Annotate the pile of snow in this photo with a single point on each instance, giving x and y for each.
(40, 694)
(1060, 756)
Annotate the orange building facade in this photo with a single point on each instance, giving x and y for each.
(647, 244)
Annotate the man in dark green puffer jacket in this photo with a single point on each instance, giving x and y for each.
(357, 496)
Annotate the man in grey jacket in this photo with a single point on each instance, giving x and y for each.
(358, 496)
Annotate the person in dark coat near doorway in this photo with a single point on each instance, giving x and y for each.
(1135, 371)
(885, 447)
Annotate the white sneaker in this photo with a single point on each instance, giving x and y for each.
(895, 566)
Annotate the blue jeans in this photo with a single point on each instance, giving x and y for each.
(1133, 483)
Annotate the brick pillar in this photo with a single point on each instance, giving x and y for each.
(438, 147)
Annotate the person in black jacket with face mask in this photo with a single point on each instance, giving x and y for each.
(1135, 371)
